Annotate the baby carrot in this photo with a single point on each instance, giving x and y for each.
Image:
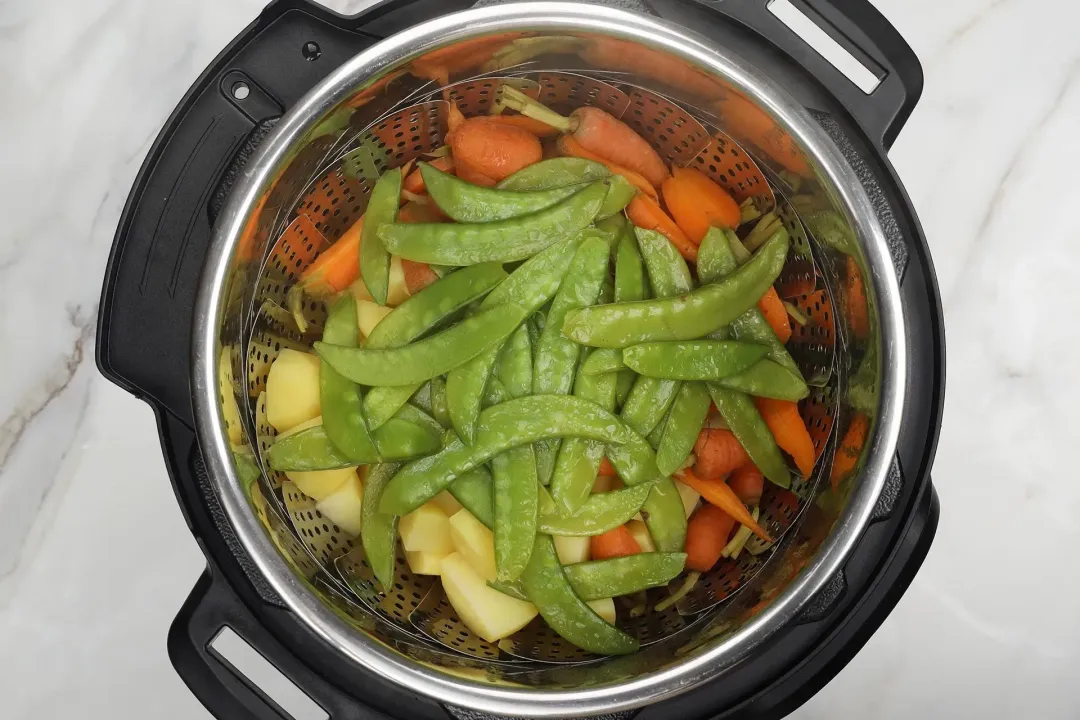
(606, 469)
(337, 267)
(536, 127)
(719, 494)
(847, 455)
(718, 453)
(414, 181)
(706, 535)
(494, 150)
(645, 213)
(697, 203)
(789, 430)
(772, 307)
(747, 483)
(617, 542)
(418, 275)
(567, 146)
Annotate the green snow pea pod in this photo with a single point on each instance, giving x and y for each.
(648, 402)
(597, 579)
(417, 315)
(629, 270)
(465, 387)
(514, 473)
(381, 210)
(635, 463)
(502, 240)
(423, 360)
(683, 317)
(416, 416)
(514, 368)
(602, 361)
(438, 401)
(378, 531)
(495, 393)
(657, 434)
(600, 512)
(620, 192)
(556, 357)
(342, 403)
(468, 203)
(579, 459)
(546, 585)
(553, 173)
(311, 449)
(510, 424)
(624, 386)
(474, 491)
(715, 261)
(766, 378)
(683, 424)
(513, 589)
(749, 428)
(692, 359)
(422, 398)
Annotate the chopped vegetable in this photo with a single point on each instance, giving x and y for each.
(787, 426)
(706, 536)
(617, 542)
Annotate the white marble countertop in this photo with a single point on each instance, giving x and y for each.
(95, 558)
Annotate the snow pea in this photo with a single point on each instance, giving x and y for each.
(514, 473)
(749, 428)
(438, 401)
(553, 173)
(629, 270)
(546, 585)
(648, 402)
(600, 512)
(766, 378)
(381, 210)
(340, 398)
(465, 392)
(620, 192)
(423, 360)
(635, 462)
(579, 459)
(597, 579)
(514, 368)
(692, 359)
(601, 361)
(556, 357)
(417, 315)
(682, 426)
(468, 203)
(378, 531)
(502, 240)
(416, 416)
(717, 260)
(311, 449)
(684, 317)
(474, 491)
(495, 393)
(504, 426)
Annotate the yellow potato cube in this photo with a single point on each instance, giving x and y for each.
(368, 315)
(571, 549)
(424, 563)
(605, 608)
(474, 542)
(292, 389)
(321, 484)
(485, 610)
(640, 531)
(447, 502)
(689, 496)
(344, 505)
(426, 529)
(397, 291)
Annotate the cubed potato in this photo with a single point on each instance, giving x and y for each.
(474, 542)
(397, 291)
(345, 505)
(605, 608)
(321, 484)
(292, 389)
(229, 409)
(690, 497)
(571, 549)
(368, 315)
(447, 502)
(640, 531)
(426, 529)
(485, 610)
(424, 563)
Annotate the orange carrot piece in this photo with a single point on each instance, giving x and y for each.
(607, 469)
(337, 267)
(569, 147)
(454, 120)
(602, 133)
(645, 213)
(855, 307)
(493, 149)
(747, 483)
(851, 447)
(787, 426)
(718, 453)
(418, 275)
(414, 181)
(706, 535)
(417, 211)
(536, 127)
(772, 307)
(468, 173)
(697, 203)
(617, 542)
(719, 494)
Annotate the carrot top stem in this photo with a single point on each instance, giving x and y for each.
(510, 97)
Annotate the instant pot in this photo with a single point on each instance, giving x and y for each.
(271, 156)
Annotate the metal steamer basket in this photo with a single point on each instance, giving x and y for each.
(306, 178)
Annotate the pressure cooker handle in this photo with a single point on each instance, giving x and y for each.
(865, 33)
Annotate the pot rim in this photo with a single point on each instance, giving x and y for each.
(546, 16)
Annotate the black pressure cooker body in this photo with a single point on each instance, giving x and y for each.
(148, 300)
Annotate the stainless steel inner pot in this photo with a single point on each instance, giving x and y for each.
(701, 106)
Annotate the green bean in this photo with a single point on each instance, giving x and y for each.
(692, 359)
(556, 356)
(602, 361)
(648, 402)
(620, 192)
(749, 428)
(683, 424)
(508, 425)
(468, 203)
(514, 472)
(423, 360)
(502, 240)
(579, 459)
(600, 512)
(568, 615)
(685, 317)
(475, 493)
(381, 210)
(635, 463)
(378, 531)
(310, 449)
(766, 378)
(553, 173)
(342, 404)
(514, 368)
(597, 579)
